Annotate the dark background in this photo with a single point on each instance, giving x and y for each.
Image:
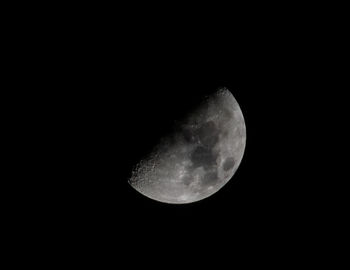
(120, 105)
(106, 88)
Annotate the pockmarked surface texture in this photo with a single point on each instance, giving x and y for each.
(199, 158)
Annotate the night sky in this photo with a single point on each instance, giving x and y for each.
(112, 97)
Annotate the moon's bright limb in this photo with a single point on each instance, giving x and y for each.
(200, 158)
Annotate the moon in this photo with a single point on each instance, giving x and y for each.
(199, 158)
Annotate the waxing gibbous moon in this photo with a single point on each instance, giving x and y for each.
(199, 158)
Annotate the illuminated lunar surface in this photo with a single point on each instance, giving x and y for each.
(200, 157)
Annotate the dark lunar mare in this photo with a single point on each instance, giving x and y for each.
(204, 155)
(208, 134)
(210, 178)
(229, 163)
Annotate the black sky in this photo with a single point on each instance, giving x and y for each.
(114, 91)
(122, 104)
